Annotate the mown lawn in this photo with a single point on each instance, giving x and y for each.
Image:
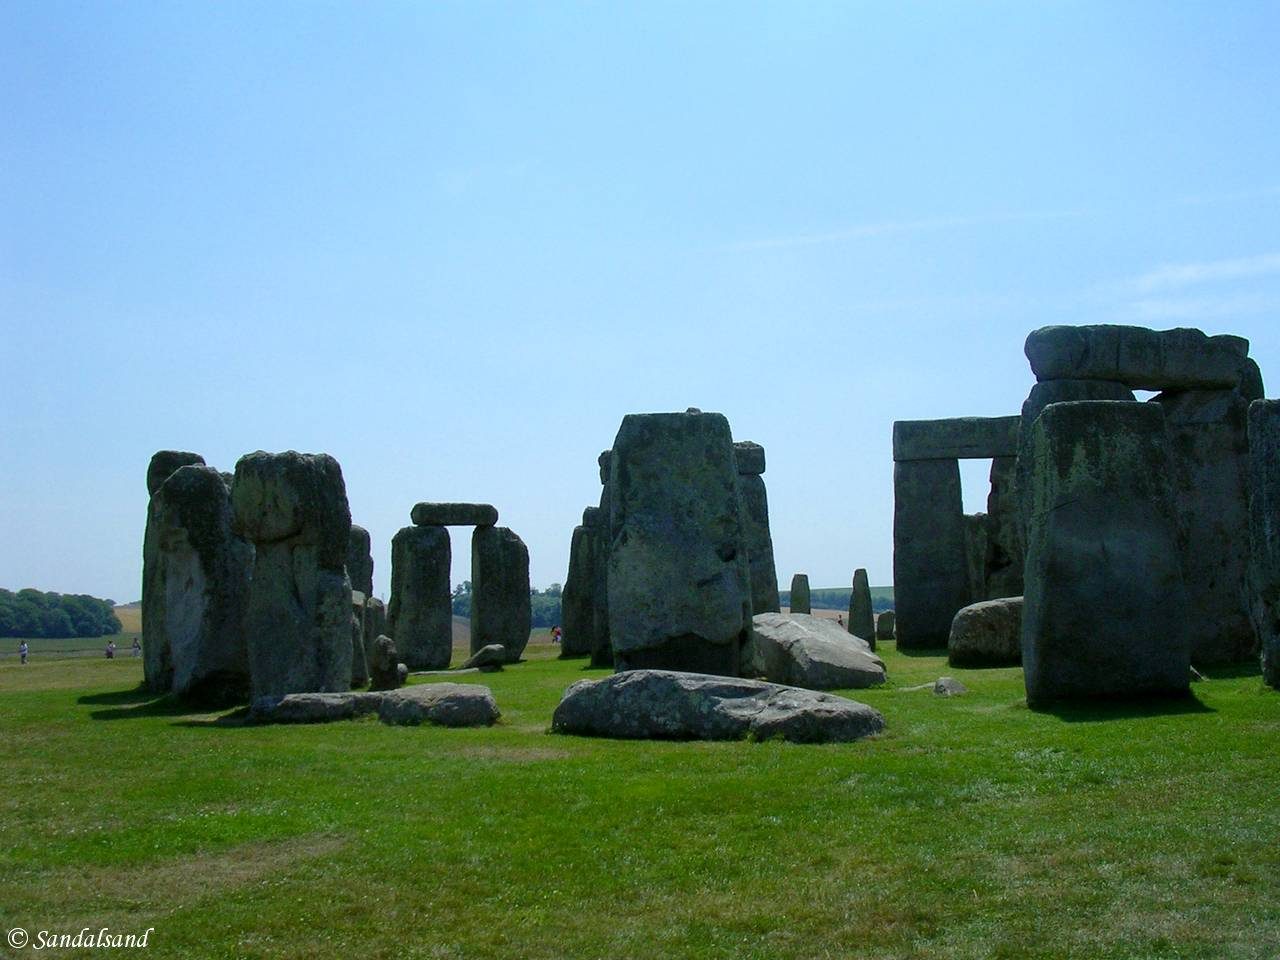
(972, 828)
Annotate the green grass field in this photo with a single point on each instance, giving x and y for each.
(972, 828)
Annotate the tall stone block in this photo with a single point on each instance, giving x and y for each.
(800, 600)
(1180, 359)
(930, 562)
(578, 601)
(202, 574)
(1006, 551)
(156, 665)
(678, 578)
(293, 508)
(360, 560)
(420, 615)
(1105, 610)
(1264, 528)
(862, 617)
(975, 550)
(749, 458)
(500, 608)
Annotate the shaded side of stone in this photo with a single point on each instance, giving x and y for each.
(577, 601)
(500, 606)
(801, 599)
(930, 561)
(360, 560)
(862, 617)
(1264, 528)
(755, 516)
(420, 614)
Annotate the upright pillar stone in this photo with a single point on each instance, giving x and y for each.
(749, 458)
(1264, 528)
(1105, 612)
(202, 572)
(420, 615)
(157, 666)
(679, 581)
(602, 645)
(359, 661)
(293, 508)
(360, 560)
(577, 602)
(862, 617)
(975, 550)
(1006, 552)
(501, 611)
(930, 561)
(800, 600)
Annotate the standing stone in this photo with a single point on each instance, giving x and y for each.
(598, 523)
(800, 600)
(678, 578)
(384, 664)
(577, 601)
(930, 564)
(156, 664)
(884, 625)
(975, 552)
(1264, 527)
(359, 662)
(375, 620)
(201, 571)
(1006, 552)
(749, 458)
(293, 508)
(862, 618)
(360, 560)
(1208, 433)
(1105, 611)
(420, 615)
(501, 611)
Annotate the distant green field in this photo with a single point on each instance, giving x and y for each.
(837, 598)
(972, 828)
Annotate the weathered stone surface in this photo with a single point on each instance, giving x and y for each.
(975, 553)
(959, 438)
(987, 634)
(759, 541)
(375, 619)
(801, 650)
(577, 600)
(454, 514)
(163, 465)
(500, 607)
(884, 625)
(360, 560)
(1006, 550)
(605, 460)
(1181, 359)
(156, 665)
(949, 687)
(1251, 382)
(800, 601)
(293, 507)
(384, 663)
(491, 657)
(359, 664)
(592, 518)
(1105, 609)
(667, 705)
(441, 704)
(748, 457)
(199, 588)
(420, 615)
(678, 577)
(929, 555)
(1264, 528)
(601, 644)
(862, 617)
(1208, 433)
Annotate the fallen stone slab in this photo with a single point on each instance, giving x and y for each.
(442, 704)
(802, 650)
(668, 705)
(942, 687)
(489, 657)
(1180, 359)
(987, 634)
(454, 514)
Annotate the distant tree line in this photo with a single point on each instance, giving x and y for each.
(837, 598)
(32, 613)
(544, 603)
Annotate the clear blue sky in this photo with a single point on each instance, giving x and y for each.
(453, 244)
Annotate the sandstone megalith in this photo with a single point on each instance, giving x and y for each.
(577, 601)
(862, 618)
(500, 608)
(1264, 527)
(360, 560)
(749, 458)
(293, 508)
(420, 615)
(800, 601)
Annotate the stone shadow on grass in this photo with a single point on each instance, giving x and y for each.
(913, 652)
(1103, 709)
(138, 704)
(114, 698)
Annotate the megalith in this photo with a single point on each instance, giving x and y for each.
(930, 554)
(501, 611)
(1105, 610)
(1002, 574)
(1264, 529)
(679, 583)
(293, 508)
(749, 458)
(359, 663)
(420, 614)
(1180, 359)
(200, 584)
(360, 560)
(862, 617)
(598, 523)
(885, 625)
(800, 601)
(577, 601)
(156, 665)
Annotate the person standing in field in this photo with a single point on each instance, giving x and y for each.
(137, 647)
(23, 650)
(111, 649)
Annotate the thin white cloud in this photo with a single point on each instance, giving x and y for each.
(1176, 275)
(890, 227)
